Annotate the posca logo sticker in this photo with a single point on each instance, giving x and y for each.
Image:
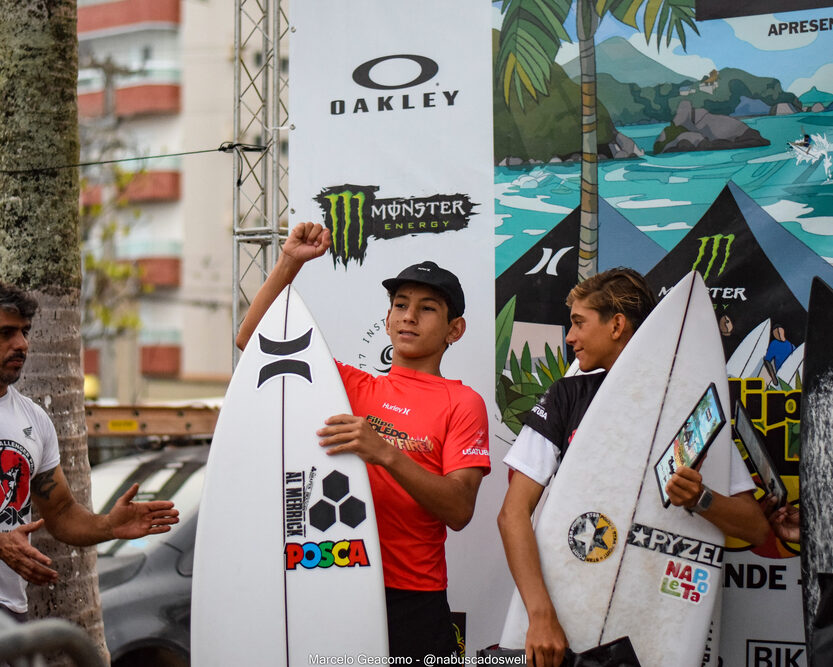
(344, 553)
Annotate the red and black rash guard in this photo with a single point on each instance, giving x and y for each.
(560, 410)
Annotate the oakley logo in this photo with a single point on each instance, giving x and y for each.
(428, 70)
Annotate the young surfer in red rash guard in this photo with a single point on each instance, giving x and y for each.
(424, 438)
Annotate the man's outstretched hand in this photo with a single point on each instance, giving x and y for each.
(129, 520)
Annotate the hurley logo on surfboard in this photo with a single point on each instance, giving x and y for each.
(285, 348)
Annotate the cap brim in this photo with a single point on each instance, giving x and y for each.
(392, 284)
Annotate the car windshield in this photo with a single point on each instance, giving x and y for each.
(160, 478)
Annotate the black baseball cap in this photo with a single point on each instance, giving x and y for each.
(428, 273)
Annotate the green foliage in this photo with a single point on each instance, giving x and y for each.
(671, 132)
(734, 84)
(629, 103)
(546, 128)
(121, 180)
(517, 393)
(794, 440)
(668, 16)
(530, 37)
(109, 284)
(548, 123)
(533, 30)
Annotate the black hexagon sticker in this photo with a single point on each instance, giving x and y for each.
(352, 512)
(322, 515)
(335, 485)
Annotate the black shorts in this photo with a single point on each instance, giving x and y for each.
(419, 624)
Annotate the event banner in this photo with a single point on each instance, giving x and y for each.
(715, 154)
(391, 149)
(452, 131)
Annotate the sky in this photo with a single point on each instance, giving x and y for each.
(798, 61)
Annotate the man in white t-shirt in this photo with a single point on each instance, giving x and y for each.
(30, 472)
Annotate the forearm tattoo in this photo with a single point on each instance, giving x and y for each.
(43, 484)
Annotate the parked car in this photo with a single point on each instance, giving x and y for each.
(146, 583)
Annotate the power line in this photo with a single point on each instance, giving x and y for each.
(225, 147)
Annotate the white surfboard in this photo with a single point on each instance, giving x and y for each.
(287, 562)
(654, 574)
(790, 371)
(748, 358)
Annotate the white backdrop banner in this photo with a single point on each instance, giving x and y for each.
(391, 148)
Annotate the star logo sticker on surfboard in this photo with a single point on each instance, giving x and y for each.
(592, 537)
(285, 348)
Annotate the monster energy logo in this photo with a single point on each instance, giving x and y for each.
(346, 199)
(714, 242)
(347, 216)
(353, 215)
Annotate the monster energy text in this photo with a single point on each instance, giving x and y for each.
(353, 215)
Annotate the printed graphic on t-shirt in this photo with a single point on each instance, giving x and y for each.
(480, 447)
(398, 438)
(16, 467)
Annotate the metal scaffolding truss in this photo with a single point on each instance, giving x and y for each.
(260, 200)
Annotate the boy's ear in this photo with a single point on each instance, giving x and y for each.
(456, 329)
(619, 323)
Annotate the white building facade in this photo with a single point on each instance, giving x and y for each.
(160, 73)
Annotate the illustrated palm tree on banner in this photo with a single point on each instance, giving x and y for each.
(530, 38)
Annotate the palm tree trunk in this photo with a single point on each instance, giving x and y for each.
(39, 252)
(587, 20)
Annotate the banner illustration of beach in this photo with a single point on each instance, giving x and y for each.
(712, 152)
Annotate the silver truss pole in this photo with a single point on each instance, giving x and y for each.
(260, 174)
